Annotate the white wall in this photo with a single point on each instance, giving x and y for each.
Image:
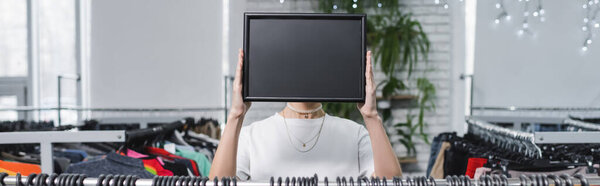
(548, 69)
(156, 53)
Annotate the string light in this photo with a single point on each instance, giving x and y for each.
(503, 15)
(525, 23)
(528, 14)
(539, 11)
(592, 7)
(355, 4)
(444, 3)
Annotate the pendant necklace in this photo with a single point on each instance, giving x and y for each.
(305, 112)
(304, 143)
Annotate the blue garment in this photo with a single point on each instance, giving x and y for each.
(83, 153)
(112, 164)
(436, 144)
(72, 156)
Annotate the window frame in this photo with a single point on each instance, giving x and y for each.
(27, 89)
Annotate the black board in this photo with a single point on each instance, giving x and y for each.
(304, 57)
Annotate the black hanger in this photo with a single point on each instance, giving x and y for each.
(30, 178)
(18, 180)
(166, 181)
(204, 180)
(567, 179)
(155, 180)
(127, 180)
(582, 179)
(38, 181)
(2, 176)
(51, 179)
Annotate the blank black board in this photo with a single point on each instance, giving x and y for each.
(304, 57)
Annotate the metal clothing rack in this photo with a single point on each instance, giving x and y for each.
(515, 108)
(142, 119)
(128, 180)
(564, 137)
(496, 134)
(77, 77)
(582, 124)
(47, 138)
(174, 109)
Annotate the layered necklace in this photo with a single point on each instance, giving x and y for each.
(305, 112)
(316, 137)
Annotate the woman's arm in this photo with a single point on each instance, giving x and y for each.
(386, 162)
(224, 163)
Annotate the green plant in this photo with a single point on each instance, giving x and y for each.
(398, 43)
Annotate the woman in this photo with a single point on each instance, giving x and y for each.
(302, 140)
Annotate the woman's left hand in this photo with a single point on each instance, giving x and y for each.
(368, 109)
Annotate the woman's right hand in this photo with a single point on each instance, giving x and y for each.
(238, 106)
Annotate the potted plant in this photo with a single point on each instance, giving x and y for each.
(398, 43)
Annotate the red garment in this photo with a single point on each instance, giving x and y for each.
(167, 155)
(23, 168)
(160, 171)
(473, 164)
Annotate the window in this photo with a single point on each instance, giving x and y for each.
(13, 38)
(56, 50)
(8, 102)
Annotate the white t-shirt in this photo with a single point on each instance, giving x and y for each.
(265, 149)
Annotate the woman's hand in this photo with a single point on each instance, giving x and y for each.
(238, 106)
(384, 157)
(224, 164)
(368, 109)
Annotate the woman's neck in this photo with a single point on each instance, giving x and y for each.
(287, 112)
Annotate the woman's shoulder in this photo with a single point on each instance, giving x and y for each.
(344, 123)
(261, 123)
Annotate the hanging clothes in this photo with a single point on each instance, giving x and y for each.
(24, 168)
(201, 160)
(473, 164)
(165, 154)
(112, 164)
(154, 165)
(437, 171)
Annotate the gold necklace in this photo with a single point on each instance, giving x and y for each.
(303, 143)
(305, 112)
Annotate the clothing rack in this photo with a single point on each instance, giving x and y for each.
(142, 121)
(129, 180)
(46, 139)
(146, 132)
(582, 124)
(497, 134)
(515, 108)
(175, 109)
(107, 109)
(546, 137)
